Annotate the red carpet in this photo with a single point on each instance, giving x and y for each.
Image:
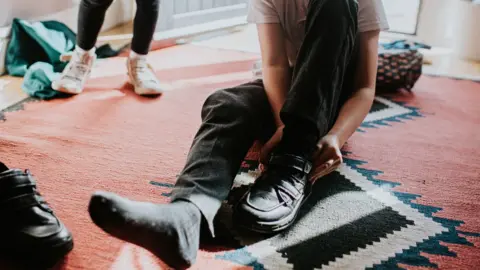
(424, 148)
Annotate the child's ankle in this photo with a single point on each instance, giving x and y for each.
(134, 55)
(82, 51)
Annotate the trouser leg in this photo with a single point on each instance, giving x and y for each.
(323, 69)
(144, 25)
(232, 119)
(90, 20)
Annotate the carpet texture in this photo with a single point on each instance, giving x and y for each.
(406, 197)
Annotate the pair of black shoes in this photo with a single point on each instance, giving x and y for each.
(29, 230)
(273, 202)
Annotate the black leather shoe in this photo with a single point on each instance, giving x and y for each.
(274, 199)
(29, 230)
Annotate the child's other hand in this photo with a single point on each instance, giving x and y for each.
(327, 158)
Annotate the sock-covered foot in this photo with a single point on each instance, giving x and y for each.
(170, 231)
(76, 72)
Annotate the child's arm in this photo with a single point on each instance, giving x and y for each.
(357, 107)
(276, 69)
(328, 156)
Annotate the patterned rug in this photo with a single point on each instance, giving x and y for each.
(407, 196)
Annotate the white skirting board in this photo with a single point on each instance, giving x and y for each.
(3, 48)
(186, 32)
(4, 34)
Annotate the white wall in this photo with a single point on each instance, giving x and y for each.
(467, 39)
(440, 22)
(402, 15)
(65, 11)
(437, 22)
(27, 9)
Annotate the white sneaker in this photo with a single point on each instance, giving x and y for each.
(76, 73)
(143, 78)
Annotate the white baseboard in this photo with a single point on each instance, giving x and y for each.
(3, 49)
(4, 32)
(186, 32)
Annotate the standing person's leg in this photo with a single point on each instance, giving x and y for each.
(231, 121)
(91, 15)
(321, 78)
(144, 24)
(141, 75)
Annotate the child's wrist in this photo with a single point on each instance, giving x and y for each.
(340, 137)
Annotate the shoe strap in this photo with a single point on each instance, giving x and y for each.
(19, 202)
(15, 178)
(289, 189)
(291, 161)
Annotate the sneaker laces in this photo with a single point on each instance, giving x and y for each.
(77, 69)
(142, 72)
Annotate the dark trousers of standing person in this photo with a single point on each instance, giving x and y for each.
(234, 118)
(92, 14)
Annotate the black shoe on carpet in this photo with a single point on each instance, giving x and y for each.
(29, 230)
(273, 202)
(170, 231)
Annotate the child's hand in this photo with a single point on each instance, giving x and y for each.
(327, 158)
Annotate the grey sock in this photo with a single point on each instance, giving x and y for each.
(170, 231)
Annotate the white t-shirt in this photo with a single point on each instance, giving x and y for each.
(291, 15)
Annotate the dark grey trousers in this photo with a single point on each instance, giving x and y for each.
(232, 119)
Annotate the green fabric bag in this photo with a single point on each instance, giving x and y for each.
(37, 42)
(42, 43)
(38, 79)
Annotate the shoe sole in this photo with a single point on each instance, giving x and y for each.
(65, 90)
(275, 226)
(148, 94)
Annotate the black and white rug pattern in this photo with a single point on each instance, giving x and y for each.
(349, 221)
